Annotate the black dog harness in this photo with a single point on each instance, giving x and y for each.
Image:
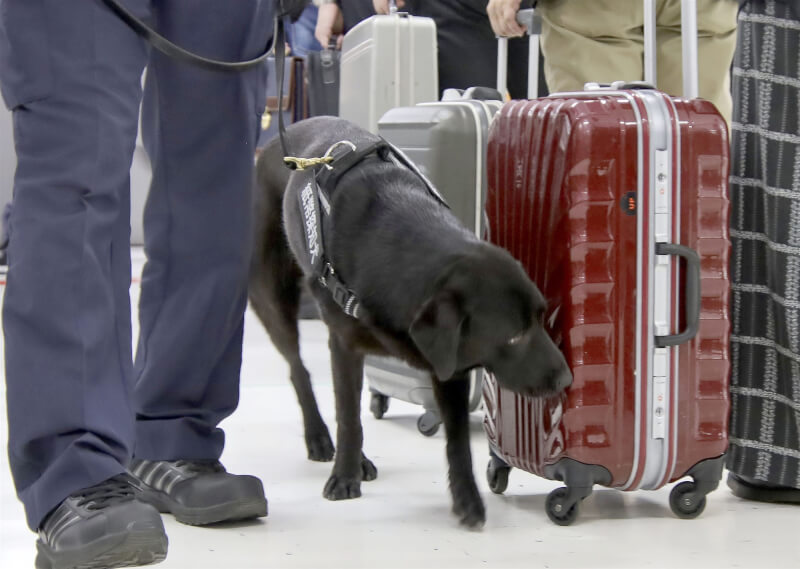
(314, 202)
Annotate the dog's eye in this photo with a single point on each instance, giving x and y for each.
(517, 339)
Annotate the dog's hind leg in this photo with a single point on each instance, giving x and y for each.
(351, 465)
(453, 399)
(281, 324)
(274, 291)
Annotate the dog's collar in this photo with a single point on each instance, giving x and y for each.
(346, 155)
(314, 200)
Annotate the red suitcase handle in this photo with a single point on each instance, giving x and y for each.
(692, 297)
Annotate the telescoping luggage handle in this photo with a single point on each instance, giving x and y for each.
(691, 302)
(689, 53)
(532, 22)
(688, 40)
(533, 25)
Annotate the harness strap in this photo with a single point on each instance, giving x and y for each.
(342, 295)
(344, 159)
(315, 202)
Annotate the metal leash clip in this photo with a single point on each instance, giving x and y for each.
(300, 164)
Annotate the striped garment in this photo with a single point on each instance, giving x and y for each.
(765, 220)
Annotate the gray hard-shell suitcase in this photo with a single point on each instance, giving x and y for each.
(447, 140)
(387, 61)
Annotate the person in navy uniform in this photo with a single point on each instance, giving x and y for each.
(97, 439)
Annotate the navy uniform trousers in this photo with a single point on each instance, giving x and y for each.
(78, 405)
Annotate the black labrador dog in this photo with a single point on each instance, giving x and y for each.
(430, 293)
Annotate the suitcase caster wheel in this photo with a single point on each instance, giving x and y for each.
(684, 503)
(497, 475)
(560, 511)
(378, 404)
(428, 423)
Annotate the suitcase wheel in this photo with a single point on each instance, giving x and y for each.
(428, 423)
(684, 501)
(560, 508)
(497, 475)
(378, 404)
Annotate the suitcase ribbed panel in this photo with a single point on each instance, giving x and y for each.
(560, 220)
(560, 173)
(704, 363)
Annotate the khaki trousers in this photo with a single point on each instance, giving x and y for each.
(603, 41)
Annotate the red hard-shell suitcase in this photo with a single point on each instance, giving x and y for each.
(615, 201)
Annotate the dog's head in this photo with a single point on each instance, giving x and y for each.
(485, 311)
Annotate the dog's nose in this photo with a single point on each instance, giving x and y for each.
(563, 379)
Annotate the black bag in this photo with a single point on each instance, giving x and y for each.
(322, 77)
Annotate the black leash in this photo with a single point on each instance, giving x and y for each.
(170, 49)
(175, 51)
(280, 65)
(314, 198)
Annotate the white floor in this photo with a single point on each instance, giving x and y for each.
(403, 518)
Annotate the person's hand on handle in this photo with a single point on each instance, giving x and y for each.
(382, 6)
(503, 17)
(329, 24)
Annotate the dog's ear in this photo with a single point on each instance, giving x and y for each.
(436, 331)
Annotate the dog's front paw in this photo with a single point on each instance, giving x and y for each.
(320, 446)
(368, 470)
(342, 488)
(470, 510)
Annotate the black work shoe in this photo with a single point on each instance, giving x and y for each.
(749, 489)
(198, 492)
(101, 527)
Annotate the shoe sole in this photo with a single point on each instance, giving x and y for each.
(140, 546)
(742, 489)
(227, 512)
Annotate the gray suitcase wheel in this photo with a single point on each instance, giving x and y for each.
(684, 502)
(559, 509)
(378, 404)
(497, 475)
(428, 423)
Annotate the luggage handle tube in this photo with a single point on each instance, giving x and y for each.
(688, 41)
(527, 18)
(502, 66)
(690, 50)
(692, 296)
